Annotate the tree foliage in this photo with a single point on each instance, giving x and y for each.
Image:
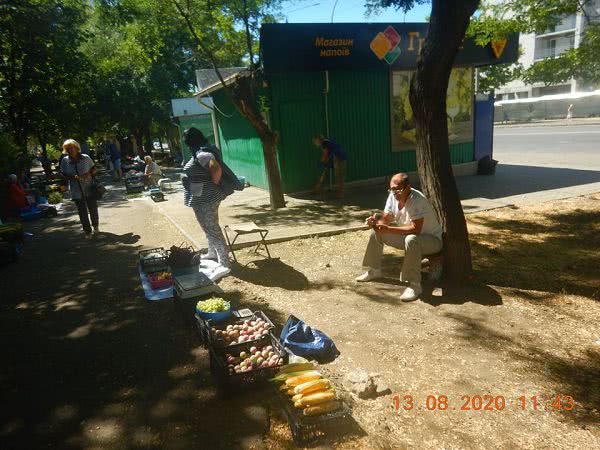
(141, 61)
(533, 16)
(239, 21)
(40, 66)
(82, 68)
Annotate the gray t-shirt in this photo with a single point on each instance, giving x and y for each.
(83, 166)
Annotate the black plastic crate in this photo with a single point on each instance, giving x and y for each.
(154, 264)
(208, 338)
(134, 185)
(307, 429)
(228, 382)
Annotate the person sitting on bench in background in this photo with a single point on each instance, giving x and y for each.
(410, 223)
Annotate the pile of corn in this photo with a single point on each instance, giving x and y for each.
(307, 389)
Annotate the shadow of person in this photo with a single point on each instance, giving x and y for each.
(271, 273)
(111, 238)
(458, 294)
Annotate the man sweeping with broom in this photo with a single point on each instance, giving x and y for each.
(332, 156)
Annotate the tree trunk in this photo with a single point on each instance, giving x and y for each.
(160, 144)
(447, 27)
(245, 104)
(242, 96)
(148, 147)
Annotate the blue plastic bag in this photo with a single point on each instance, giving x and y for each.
(307, 342)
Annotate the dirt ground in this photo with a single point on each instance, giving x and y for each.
(87, 363)
(532, 332)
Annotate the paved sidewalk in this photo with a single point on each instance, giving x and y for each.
(310, 215)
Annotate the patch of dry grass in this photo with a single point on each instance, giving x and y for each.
(553, 247)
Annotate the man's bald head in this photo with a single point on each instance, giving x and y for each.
(399, 180)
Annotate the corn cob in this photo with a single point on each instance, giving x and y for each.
(312, 386)
(309, 376)
(295, 367)
(291, 391)
(322, 408)
(316, 398)
(296, 397)
(285, 376)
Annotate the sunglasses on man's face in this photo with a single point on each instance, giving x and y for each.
(397, 189)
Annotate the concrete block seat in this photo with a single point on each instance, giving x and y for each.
(435, 261)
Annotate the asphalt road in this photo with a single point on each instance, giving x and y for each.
(573, 146)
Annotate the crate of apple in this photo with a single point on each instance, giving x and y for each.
(246, 331)
(254, 359)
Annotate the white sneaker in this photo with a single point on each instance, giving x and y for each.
(369, 275)
(411, 293)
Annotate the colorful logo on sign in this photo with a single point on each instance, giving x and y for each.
(498, 47)
(386, 45)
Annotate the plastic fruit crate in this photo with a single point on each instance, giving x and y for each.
(229, 381)
(155, 283)
(157, 263)
(210, 339)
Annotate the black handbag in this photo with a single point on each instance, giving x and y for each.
(98, 189)
(229, 181)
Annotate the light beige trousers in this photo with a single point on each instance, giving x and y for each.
(415, 246)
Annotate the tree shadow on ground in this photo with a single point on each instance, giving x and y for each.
(271, 273)
(447, 293)
(89, 363)
(439, 293)
(334, 215)
(512, 180)
(553, 252)
(508, 181)
(578, 377)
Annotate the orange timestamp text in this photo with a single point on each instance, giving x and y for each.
(558, 402)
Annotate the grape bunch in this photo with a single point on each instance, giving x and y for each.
(212, 305)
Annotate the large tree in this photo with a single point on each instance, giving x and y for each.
(142, 60)
(216, 24)
(40, 66)
(448, 23)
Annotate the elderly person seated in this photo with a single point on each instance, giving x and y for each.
(152, 172)
(410, 223)
(16, 198)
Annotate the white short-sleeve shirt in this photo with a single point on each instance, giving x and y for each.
(416, 207)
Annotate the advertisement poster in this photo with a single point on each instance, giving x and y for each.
(459, 104)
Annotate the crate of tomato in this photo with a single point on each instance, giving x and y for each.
(160, 280)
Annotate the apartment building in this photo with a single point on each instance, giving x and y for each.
(551, 43)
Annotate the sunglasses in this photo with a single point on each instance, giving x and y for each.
(397, 190)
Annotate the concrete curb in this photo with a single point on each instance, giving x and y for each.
(548, 123)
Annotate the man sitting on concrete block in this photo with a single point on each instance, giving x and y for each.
(410, 223)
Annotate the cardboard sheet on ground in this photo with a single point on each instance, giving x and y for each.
(211, 269)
